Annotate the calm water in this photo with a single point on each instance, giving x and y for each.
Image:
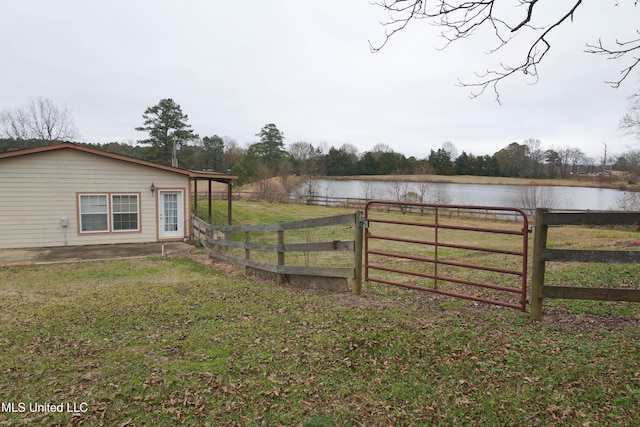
(474, 194)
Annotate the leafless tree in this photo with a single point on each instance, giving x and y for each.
(590, 162)
(306, 158)
(532, 197)
(441, 195)
(631, 121)
(536, 156)
(399, 190)
(368, 188)
(424, 169)
(39, 119)
(266, 189)
(308, 190)
(570, 158)
(284, 172)
(350, 149)
(629, 201)
(233, 152)
(451, 149)
(460, 19)
(576, 157)
(605, 159)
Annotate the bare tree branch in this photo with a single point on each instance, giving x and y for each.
(631, 121)
(538, 50)
(460, 19)
(623, 49)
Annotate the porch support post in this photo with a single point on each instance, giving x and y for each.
(229, 197)
(195, 196)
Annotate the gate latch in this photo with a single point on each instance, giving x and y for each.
(363, 222)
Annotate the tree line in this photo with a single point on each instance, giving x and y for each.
(171, 141)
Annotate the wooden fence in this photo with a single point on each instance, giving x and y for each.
(542, 255)
(219, 242)
(359, 204)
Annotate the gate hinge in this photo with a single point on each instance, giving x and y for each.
(363, 222)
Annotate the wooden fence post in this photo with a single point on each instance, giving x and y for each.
(538, 264)
(247, 251)
(358, 240)
(280, 254)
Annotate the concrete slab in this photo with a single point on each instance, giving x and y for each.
(52, 255)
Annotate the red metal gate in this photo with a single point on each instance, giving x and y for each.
(472, 252)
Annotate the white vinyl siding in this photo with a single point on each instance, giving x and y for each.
(40, 190)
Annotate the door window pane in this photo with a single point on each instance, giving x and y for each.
(170, 212)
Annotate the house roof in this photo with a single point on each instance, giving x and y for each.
(83, 148)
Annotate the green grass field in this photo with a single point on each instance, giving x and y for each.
(168, 341)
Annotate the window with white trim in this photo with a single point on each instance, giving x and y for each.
(125, 212)
(103, 213)
(94, 213)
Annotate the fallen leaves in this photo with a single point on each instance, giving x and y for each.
(205, 351)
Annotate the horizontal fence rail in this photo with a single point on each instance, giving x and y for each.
(541, 255)
(360, 203)
(448, 247)
(283, 240)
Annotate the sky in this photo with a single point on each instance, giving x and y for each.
(306, 66)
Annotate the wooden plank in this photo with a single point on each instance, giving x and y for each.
(318, 222)
(289, 269)
(307, 223)
(228, 243)
(292, 247)
(347, 273)
(336, 245)
(601, 294)
(571, 255)
(592, 218)
(246, 262)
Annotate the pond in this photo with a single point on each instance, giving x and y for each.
(555, 197)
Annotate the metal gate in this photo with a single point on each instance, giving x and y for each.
(472, 252)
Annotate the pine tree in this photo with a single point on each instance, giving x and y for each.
(168, 129)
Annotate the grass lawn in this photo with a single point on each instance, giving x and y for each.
(169, 341)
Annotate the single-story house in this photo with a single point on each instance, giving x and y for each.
(70, 194)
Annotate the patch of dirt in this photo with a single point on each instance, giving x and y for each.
(556, 316)
(586, 323)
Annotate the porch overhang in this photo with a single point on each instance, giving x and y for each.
(210, 177)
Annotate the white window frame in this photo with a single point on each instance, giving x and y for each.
(110, 213)
(106, 196)
(114, 213)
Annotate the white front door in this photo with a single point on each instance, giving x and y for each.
(170, 215)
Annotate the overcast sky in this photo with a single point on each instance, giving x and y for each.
(234, 66)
